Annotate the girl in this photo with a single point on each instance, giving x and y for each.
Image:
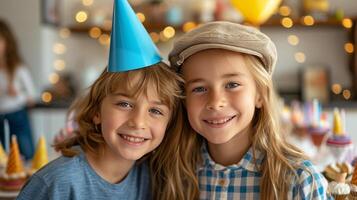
(121, 120)
(239, 152)
(16, 92)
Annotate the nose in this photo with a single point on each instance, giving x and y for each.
(216, 100)
(137, 119)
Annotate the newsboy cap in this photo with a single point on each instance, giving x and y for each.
(228, 36)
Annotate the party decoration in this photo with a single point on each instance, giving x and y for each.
(256, 11)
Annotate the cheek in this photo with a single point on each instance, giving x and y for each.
(159, 130)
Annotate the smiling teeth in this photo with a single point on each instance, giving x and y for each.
(132, 139)
(222, 121)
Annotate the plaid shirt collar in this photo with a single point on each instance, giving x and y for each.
(247, 162)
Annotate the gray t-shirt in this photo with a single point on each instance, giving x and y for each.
(73, 178)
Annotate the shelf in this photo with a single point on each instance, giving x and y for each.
(275, 23)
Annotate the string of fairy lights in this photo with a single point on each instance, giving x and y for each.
(300, 57)
(101, 34)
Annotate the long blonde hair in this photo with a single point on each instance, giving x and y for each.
(281, 158)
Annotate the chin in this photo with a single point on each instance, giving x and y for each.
(217, 140)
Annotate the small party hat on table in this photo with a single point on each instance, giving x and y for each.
(14, 164)
(41, 158)
(3, 156)
(337, 124)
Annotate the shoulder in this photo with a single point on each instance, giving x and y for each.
(60, 169)
(308, 183)
(53, 179)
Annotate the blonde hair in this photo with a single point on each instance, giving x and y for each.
(167, 85)
(281, 158)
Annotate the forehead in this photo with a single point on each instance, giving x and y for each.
(214, 62)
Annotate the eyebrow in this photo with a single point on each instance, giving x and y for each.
(197, 80)
(158, 103)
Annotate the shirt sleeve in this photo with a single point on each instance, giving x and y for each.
(310, 184)
(27, 82)
(35, 187)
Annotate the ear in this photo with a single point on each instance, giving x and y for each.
(258, 101)
(97, 119)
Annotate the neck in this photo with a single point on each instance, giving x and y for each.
(232, 151)
(109, 166)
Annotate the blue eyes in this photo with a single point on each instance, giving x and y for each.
(156, 111)
(199, 89)
(127, 105)
(230, 85)
(124, 104)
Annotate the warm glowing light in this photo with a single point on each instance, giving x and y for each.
(59, 48)
(308, 20)
(349, 47)
(107, 24)
(347, 23)
(346, 94)
(87, 2)
(64, 33)
(284, 11)
(53, 78)
(104, 39)
(95, 32)
(293, 40)
(300, 57)
(336, 88)
(81, 16)
(169, 32)
(163, 38)
(141, 17)
(59, 65)
(189, 26)
(287, 22)
(46, 97)
(155, 37)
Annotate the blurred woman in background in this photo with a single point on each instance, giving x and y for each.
(16, 92)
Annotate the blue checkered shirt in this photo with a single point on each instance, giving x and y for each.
(242, 180)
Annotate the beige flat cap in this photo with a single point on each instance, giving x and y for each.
(228, 36)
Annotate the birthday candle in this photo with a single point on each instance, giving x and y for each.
(7, 135)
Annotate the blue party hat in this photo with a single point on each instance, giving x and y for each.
(131, 46)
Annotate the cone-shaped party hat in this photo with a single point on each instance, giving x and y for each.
(337, 124)
(3, 156)
(131, 46)
(14, 164)
(41, 158)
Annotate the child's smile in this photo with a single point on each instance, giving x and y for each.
(221, 95)
(132, 127)
(219, 122)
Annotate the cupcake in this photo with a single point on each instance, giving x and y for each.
(319, 127)
(339, 189)
(332, 171)
(15, 176)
